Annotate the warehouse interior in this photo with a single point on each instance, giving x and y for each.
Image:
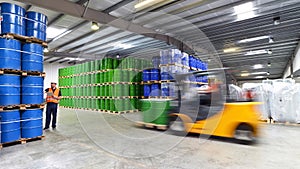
(122, 65)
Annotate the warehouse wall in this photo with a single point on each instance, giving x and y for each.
(51, 70)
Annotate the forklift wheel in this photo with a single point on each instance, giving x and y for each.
(244, 134)
(176, 127)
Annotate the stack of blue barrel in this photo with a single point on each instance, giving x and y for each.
(19, 56)
(151, 79)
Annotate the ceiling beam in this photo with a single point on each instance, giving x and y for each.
(76, 10)
(52, 61)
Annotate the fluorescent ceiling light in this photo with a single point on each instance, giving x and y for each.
(253, 39)
(258, 73)
(245, 74)
(258, 52)
(258, 66)
(228, 50)
(53, 32)
(61, 35)
(146, 3)
(244, 11)
(259, 77)
(77, 59)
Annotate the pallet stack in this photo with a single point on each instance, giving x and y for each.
(109, 85)
(159, 85)
(21, 73)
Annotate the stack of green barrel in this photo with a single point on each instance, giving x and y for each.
(108, 84)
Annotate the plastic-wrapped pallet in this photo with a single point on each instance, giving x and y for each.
(235, 92)
(295, 102)
(267, 96)
(281, 102)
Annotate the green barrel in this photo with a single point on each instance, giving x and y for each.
(117, 90)
(92, 66)
(112, 105)
(102, 91)
(107, 104)
(101, 77)
(92, 76)
(127, 104)
(132, 90)
(97, 78)
(110, 75)
(105, 90)
(131, 75)
(117, 76)
(89, 89)
(125, 90)
(138, 64)
(138, 90)
(105, 77)
(97, 104)
(115, 63)
(125, 75)
(98, 65)
(119, 105)
(102, 104)
(108, 63)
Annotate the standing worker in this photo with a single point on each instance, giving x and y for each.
(53, 97)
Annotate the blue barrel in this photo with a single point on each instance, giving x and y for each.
(154, 74)
(146, 75)
(36, 25)
(32, 90)
(32, 57)
(13, 19)
(155, 90)
(10, 54)
(10, 126)
(9, 90)
(147, 90)
(32, 123)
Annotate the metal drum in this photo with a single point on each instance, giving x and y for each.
(32, 57)
(32, 90)
(36, 25)
(146, 75)
(147, 90)
(32, 123)
(10, 126)
(10, 54)
(13, 20)
(9, 90)
(154, 74)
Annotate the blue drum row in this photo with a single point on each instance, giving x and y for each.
(27, 57)
(151, 74)
(15, 90)
(16, 20)
(16, 124)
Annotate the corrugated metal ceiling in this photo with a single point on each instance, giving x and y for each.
(215, 18)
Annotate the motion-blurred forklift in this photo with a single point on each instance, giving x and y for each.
(211, 112)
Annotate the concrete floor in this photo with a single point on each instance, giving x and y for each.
(86, 139)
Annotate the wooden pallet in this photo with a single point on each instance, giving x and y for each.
(32, 106)
(34, 73)
(167, 81)
(26, 39)
(21, 141)
(10, 71)
(10, 107)
(151, 125)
